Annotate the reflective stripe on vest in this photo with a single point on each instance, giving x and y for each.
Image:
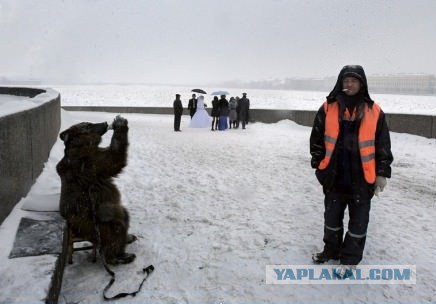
(366, 136)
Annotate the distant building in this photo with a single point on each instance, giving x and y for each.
(305, 84)
(417, 84)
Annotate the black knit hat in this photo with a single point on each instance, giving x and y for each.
(355, 71)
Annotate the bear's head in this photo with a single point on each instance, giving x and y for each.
(84, 134)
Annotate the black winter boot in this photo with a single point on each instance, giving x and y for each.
(325, 256)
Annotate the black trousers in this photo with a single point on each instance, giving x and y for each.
(351, 247)
(177, 119)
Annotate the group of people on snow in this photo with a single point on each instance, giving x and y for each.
(225, 114)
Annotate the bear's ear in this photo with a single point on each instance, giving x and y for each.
(64, 136)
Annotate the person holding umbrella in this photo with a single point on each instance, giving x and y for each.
(192, 105)
(219, 120)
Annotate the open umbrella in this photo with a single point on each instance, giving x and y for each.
(199, 91)
(220, 93)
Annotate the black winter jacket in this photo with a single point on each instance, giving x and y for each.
(178, 107)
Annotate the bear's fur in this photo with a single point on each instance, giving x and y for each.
(90, 201)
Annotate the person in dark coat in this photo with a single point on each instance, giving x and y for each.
(178, 111)
(192, 105)
(224, 113)
(244, 107)
(238, 111)
(215, 113)
(351, 152)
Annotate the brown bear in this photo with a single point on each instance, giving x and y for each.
(90, 201)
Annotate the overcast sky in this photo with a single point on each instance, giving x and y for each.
(204, 41)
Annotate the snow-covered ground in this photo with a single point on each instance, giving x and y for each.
(212, 209)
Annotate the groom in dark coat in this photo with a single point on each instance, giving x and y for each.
(192, 105)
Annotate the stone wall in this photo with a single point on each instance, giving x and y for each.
(26, 138)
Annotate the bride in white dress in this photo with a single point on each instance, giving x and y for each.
(201, 118)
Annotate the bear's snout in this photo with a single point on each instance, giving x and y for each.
(100, 128)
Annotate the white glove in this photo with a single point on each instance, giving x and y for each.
(380, 183)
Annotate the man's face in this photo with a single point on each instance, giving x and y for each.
(351, 86)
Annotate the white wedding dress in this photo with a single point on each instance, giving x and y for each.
(201, 118)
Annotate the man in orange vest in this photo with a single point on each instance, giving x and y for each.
(351, 152)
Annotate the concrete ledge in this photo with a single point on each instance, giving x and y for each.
(33, 253)
(56, 278)
(21, 91)
(26, 138)
(414, 124)
(422, 125)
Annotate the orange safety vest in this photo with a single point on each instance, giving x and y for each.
(366, 136)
